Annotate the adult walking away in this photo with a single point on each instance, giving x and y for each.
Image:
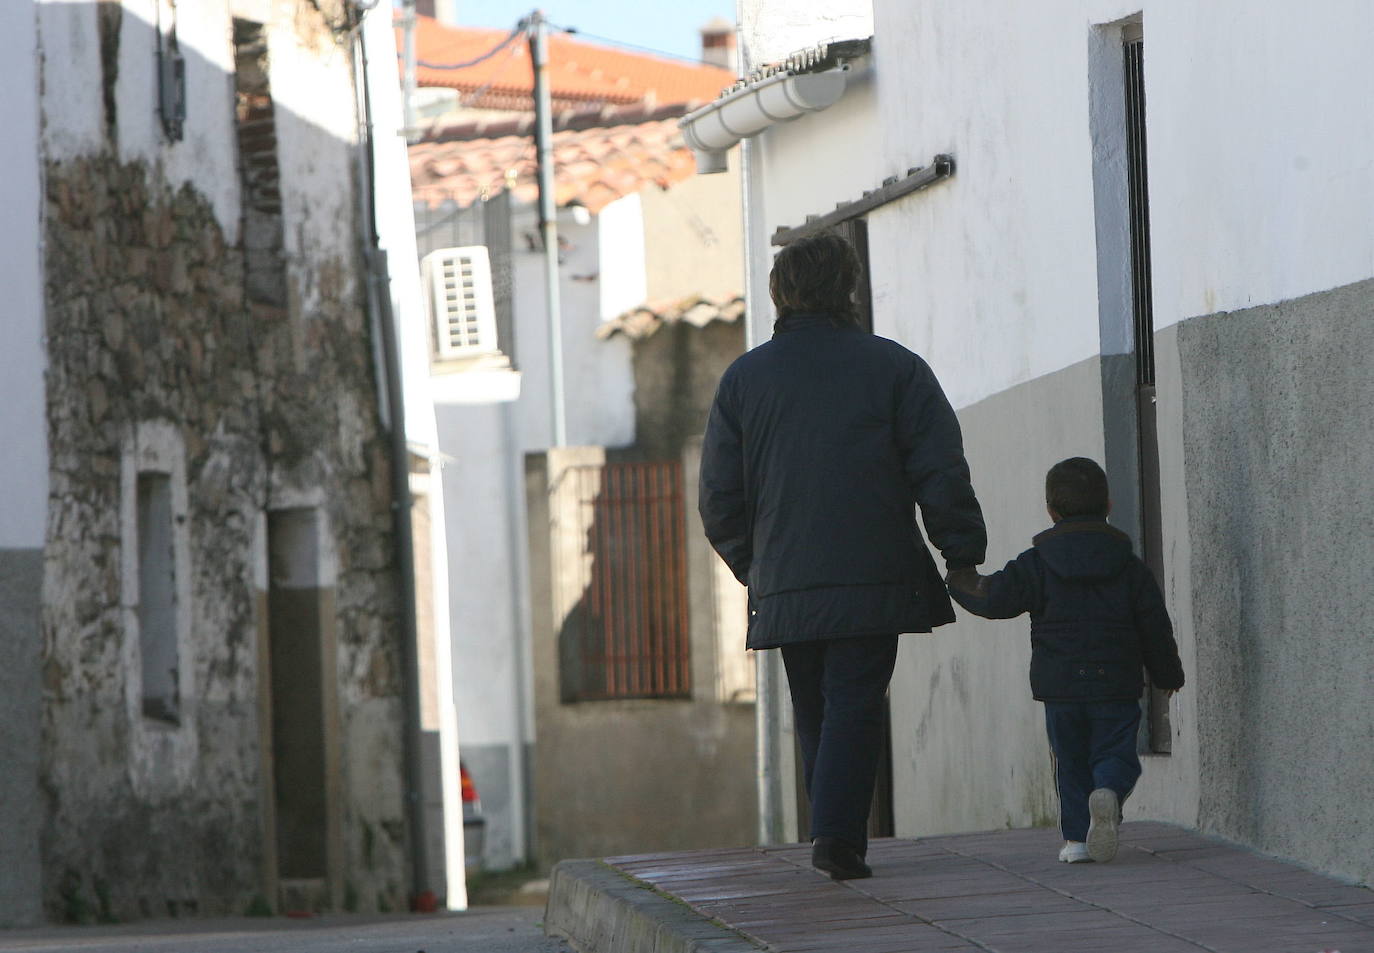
(820, 445)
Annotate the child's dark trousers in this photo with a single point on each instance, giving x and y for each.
(1094, 747)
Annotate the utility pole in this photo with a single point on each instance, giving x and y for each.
(408, 57)
(548, 218)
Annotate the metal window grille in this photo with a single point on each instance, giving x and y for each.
(629, 636)
(459, 282)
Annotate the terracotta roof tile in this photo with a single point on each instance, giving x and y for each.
(697, 310)
(592, 167)
(580, 72)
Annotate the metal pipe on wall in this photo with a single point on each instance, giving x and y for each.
(378, 297)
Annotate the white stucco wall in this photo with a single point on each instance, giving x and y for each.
(486, 422)
(1261, 190)
(70, 68)
(207, 154)
(396, 224)
(1007, 251)
(598, 382)
(1261, 187)
(771, 29)
(24, 465)
(318, 217)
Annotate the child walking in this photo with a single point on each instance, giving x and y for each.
(1097, 619)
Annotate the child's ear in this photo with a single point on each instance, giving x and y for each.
(1054, 517)
(1109, 506)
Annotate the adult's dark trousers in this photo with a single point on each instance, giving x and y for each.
(838, 686)
(1094, 747)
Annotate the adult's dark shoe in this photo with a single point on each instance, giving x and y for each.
(838, 859)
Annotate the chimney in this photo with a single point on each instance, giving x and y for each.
(445, 11)
(718, 44)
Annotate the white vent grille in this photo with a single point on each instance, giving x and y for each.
(459, 282)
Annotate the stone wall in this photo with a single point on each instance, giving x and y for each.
(148, 321)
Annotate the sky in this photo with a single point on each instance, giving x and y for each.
(669, 27)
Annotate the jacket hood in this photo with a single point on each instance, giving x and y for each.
(1084, 548)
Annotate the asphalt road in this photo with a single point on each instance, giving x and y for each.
(479, 930)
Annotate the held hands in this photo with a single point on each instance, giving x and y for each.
(965, 579)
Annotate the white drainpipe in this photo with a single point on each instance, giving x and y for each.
(714, 128)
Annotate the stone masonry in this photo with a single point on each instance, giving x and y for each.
(148, 320)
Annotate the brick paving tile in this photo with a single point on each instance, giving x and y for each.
(1168, 891)
(1003, 904)
(1360, 912)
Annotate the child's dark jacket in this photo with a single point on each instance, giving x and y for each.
(1097, 615)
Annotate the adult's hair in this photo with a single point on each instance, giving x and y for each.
(1077, 487)
(815, 275)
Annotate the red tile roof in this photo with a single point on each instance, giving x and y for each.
(592, 167)
(580, 72)
(696, 310)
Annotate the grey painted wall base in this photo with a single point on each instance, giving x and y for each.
(600, 910)
(968, 741)
(1279, 447)
(490, 768)
(21, 813)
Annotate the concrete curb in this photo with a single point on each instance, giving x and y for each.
(598, 909)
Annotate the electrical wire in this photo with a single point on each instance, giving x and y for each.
(520, 28)
(629, 46)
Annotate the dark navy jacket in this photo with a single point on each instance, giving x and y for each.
(1097, 615)
(819, 447)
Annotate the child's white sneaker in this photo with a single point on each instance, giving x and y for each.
(1074, 852)
(1104, 815)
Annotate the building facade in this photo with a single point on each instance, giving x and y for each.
(1149, 247)
(636, 231)
(206, 667)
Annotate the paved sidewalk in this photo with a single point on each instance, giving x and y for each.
(1168, 891)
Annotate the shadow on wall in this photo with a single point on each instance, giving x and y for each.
(627, 636)
(256, 348)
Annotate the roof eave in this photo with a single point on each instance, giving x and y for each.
(808, 81)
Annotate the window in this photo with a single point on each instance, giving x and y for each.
(156, 594)
(157, 578)
(458, 281)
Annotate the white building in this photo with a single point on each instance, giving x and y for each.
(563, 771)
(1154, 248)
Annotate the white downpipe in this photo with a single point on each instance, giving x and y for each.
(714, 128)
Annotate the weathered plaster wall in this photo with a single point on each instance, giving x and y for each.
(692, 236)
(676, 372)
(147, 321)
(1279, 449)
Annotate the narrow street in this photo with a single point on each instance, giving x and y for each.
(480, 930)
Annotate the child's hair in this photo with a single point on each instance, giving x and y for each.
(1076, 487)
